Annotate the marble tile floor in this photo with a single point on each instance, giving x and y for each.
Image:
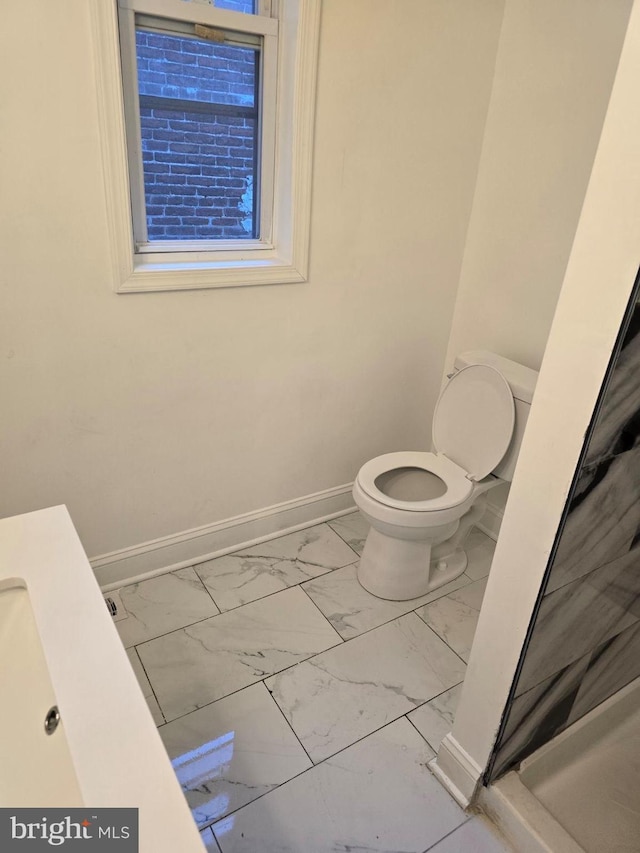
(298, 710)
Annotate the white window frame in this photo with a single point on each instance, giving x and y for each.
(281, 253)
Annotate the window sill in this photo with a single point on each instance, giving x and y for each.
(194, 275)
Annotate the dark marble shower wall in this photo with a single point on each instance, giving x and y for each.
(585, 642)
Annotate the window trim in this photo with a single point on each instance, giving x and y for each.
(281, 259)
(264, 28)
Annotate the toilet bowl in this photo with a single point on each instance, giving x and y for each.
(421, 505)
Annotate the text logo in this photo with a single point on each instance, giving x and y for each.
(100, 830)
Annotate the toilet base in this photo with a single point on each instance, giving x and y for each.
(422, 571)
(446, 568)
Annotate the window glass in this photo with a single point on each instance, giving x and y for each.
(199, 130)
(247, 6)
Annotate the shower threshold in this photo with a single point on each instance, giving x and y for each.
(580, 792)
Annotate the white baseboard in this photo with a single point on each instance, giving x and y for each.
(457, 771)
(491, 521)
(139, 562)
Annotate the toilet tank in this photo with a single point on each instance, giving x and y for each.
(522, 381)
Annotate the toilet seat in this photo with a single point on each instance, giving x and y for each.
(474, 419)
(473, 424)
(458, 485)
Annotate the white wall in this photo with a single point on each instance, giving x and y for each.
(156, 413)
(554, 70)
(598, 282)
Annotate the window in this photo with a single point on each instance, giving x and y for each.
(207, 130)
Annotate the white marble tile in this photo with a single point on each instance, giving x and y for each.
(479, 549)
(209, 841)
(352, 610)
(474, 836)
(254, 572)
(353, 528)
(348, 692)
(378, 795)
(231, 752)
(197, 665)
(147, 691)
(471, 594)
(455, 616)
(435, 718)
(454, 622)
(163, 604)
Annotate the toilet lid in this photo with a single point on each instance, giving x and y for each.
(474, 418)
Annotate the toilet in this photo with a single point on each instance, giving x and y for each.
(420, 505)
